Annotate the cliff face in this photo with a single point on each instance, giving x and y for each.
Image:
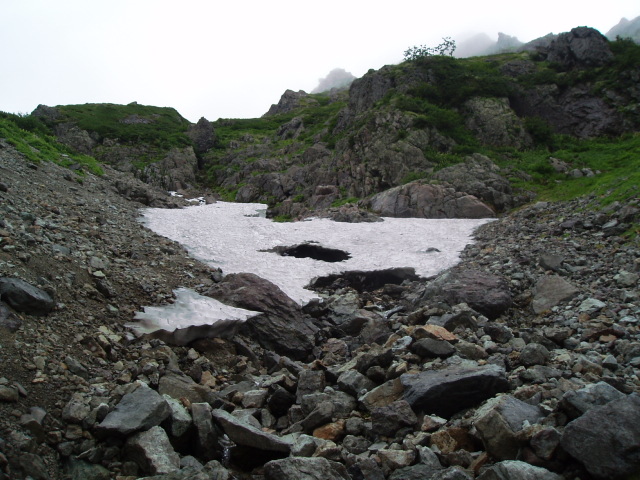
(404, 122)
(393, 126)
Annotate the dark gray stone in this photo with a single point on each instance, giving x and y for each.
(486, 293)
(389, 419)
(534, 354)
(355, 383)
(606, 439)
(8, 319)
(499, 422)
(207, 439)
(139, 410)
(301, 468)
(516, 470)
(152, 451)
(282, 327)
(431, 348)
(447, 391)
(24, 297)
(242, 433)
(577, 402)
(581, 47)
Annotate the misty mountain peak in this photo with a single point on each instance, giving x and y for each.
(337, 78)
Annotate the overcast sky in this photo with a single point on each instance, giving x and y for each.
(233, 59)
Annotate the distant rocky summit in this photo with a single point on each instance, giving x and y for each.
(626, 29)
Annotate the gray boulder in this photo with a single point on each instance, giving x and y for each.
(500, 422)
(516, 470)
(389, 419)
(24, 297)
(139, 410)
(581, 47)
(486, 293)
(282, 327)
(423, 200)
(551, 290)
(152, 451)
(242, 433)
(577, 402)
(606, 439)
(302, 468)
(447, 391)
(8, 319)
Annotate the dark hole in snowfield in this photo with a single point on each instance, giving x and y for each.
(365, 281)
(312, 250)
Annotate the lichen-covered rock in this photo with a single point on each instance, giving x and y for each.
(494, 123)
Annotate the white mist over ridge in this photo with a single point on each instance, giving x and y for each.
(232, 236)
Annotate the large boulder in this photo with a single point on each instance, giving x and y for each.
(606, 439)
(289, 101)
(139, 410)
(486, 293)
(480, 177)
(282, 327)
(423, 200)
(516, 470)
(581, 47)
(202, 135)
(24, 297)
(452, 389)
(551, 290)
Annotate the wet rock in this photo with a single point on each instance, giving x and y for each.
(447, 391)
(516, 470)
(551, 290)
(500, 422)
(139, 410)
(24, 297)
(300, 468)
(152, 451)
(605, 439)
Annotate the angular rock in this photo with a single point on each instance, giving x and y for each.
(605, 439)
(389, 419)
(181, 386)
(551, 290)
(516, 470)
(581, 47)
(152, 451)
(282, 327)
(280, 401)
(534, 354)
(486, 293)
(577, 402)
(420, 200)
(301, 468)
(415, 472)
(24, 297)
(430, 348)
(447, 391)
(499, 423)
(139, 410)
(242, 433)
(310, 381)
(385, 394)
(179, 419)
(8, 319)
(355, 383)
(207, 439)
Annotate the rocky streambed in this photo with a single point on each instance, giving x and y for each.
(520, 362)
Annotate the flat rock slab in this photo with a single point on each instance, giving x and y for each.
(244, 434)
(447, 391)
(606, 439)
(24, 297)
(551, 290)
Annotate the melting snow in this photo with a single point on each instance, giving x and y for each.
(232, 236)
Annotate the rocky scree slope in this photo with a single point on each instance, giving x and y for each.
(521, 362)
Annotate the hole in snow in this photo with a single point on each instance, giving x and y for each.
(310, 250)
